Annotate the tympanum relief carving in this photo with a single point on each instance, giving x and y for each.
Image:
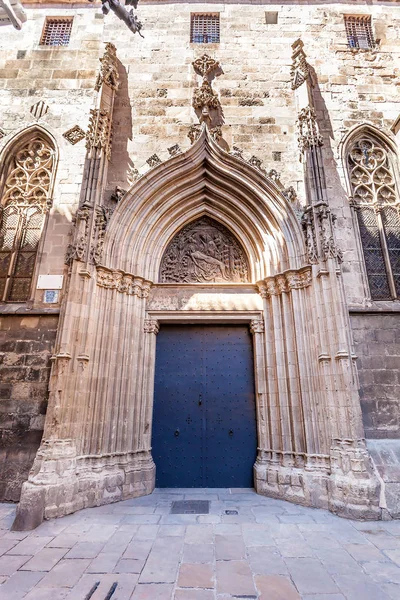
(204, 251)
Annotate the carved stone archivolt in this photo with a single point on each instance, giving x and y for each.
(123, 282)
(204, 251)
(285, 282)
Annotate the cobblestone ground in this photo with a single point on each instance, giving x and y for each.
(270, 550)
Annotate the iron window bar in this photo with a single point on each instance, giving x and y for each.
(359, 31)
(204, 28)
(56, 31)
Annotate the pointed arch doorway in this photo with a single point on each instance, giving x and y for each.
(204, 414)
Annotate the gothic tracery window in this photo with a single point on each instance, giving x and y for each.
(376, 201)
(25, 200)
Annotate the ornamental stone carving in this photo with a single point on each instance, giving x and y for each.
(124, 283)
(237, 152)
(257, 326)
(300, 70)
(101, 220)
(2, 133)
(153, 161)
(307, 222)
(204, 251)
(205, 101)
(99, 132)
(132, 174)
(206, 66)
(109, 70)
(151, 326)
(308, 135)
(285, 282)
(74, 135)
(174, 150)
(194, 133)
(77, 249)
(371, 175)
(257, 164)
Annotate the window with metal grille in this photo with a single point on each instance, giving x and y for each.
(377, 203)
(359, 31)
(25, 201)
(56, 31)
(204, 28)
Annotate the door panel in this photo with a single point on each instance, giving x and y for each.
(204, 424)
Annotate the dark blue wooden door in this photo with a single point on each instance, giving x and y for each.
(204, 421)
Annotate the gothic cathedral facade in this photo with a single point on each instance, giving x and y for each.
(200, 254)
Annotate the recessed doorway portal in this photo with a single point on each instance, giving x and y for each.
(204, 419)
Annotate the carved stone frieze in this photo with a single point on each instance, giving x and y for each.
(257, 326)
(308, 135)
(194, 133)
(154, 160)
(109, 69)
(99, 133)
(204, 251)
(74, 135)
(125, 283)
(300, 70)
(285, 282)
(151, 326)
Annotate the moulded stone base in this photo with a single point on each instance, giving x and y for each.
(308, 488)
(96, 481)
(344, 495)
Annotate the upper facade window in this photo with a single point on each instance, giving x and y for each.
(56, 31)
(204, 28)
(25, 200)
(377, 203)
(359, 31)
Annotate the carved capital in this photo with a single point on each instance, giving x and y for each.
(124, 283)
(151, 326)
(285, 282)
(257, 326)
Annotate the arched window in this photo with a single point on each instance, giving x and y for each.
(375, 198)
(25, 199)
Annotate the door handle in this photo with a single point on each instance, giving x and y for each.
(176, 434)
(230, 432)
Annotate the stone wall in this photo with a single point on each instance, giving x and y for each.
(377, 344)
(26, 344)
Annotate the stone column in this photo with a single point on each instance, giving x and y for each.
(353, 489)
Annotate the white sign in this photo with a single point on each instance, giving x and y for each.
(50, 282)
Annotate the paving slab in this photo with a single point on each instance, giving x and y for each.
(271, 550)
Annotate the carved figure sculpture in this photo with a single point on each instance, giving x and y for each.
(204, 252)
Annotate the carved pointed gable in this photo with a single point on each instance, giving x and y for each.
(204, 251)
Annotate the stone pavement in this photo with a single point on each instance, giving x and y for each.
(270, 550)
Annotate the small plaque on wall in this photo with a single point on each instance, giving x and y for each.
(50, 282)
